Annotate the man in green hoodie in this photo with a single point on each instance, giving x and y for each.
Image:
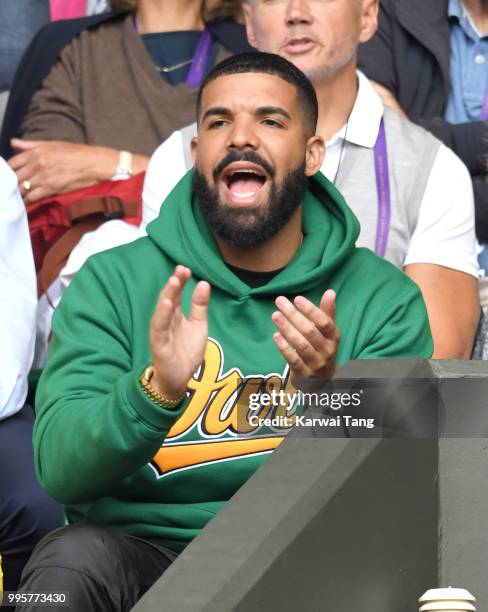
(145, 398)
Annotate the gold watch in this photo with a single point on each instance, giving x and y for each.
(155, 396)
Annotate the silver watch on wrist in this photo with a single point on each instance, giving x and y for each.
(124, 167)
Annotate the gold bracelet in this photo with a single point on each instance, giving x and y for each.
(155, 396)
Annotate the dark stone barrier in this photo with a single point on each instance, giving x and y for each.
(359, 524)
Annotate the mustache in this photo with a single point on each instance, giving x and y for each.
(236, 156)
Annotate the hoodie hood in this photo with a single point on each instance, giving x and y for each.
(329, 227)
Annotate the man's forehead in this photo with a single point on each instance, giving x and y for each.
(248, 90)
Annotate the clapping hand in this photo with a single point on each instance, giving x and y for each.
(307, 336)
(177, 342)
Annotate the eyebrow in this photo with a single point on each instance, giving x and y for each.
(216, 110)
(273, 110)
(223, 111)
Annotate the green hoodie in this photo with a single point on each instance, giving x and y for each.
(118, 460)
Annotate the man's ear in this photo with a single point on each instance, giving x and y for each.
(247, 11)
(369, 20)
(193, 146)
(314, 155)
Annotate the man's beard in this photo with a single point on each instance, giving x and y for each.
(249, 228)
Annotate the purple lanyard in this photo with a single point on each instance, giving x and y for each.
(484, 108)
(383, 191)
(200, 59)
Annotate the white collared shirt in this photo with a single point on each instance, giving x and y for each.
(361, 128)
(18, 296)
(445, 232)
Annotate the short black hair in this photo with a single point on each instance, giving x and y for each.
(268, 63)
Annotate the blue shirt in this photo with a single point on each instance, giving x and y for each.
(469, 67)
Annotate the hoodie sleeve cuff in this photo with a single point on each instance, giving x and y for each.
(155, 417)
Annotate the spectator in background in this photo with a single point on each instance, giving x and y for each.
(99, 115)
(20, 20)
(27, 513)
(430, 61)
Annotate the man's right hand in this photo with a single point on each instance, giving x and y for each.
(178, 343)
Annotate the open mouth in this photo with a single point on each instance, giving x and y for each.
(297, 46)
(243, 183)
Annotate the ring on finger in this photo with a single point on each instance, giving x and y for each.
(26, 185)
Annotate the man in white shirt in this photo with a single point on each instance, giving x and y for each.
(420, 216)
(26, 511)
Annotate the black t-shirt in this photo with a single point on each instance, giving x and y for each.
(254, 279)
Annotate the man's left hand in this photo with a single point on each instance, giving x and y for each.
(307, 336)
